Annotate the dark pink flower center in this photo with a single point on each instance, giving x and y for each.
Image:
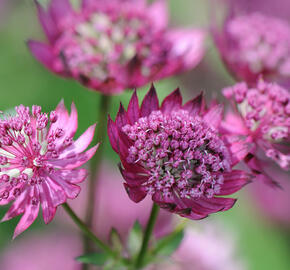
(180, 152)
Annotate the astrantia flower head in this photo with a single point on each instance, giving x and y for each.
(175, 154)
(110, 46)
(39, 161)
(262, 115)
(255, 44)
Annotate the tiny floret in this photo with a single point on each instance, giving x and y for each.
(39, 161)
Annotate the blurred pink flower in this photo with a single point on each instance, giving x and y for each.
(210, 247)
(114, 209)
(277, 8)
(260, 116)
(40, 165)
(110, 46)
(174, 153)
(274, 203)
(255, 44)
(45, 251)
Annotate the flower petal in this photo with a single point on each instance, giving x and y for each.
(172, 102)
(133, 111)
(214, 116)
(59, 9)
(187, 45)
(113, 135)
(195, 106)
(136, 194)
(234, 181)
(150, 102)
(30, 214)
(42, 52)
(158, 13)
(47, 22)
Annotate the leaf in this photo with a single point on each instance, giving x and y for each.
(135, 239)
(168, 244)
(116, 241)
(99, 258)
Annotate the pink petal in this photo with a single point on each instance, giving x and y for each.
(214, 116)
(234, 124)
(121, 119)
(71, 190)
(195, 105)
(42, 52)
(73, 161)
(234, 181)
(30, 214)
(188, 45)
(81, 143)
(158, 12)
(59, 9)
(113, 135)
(47, 23)
(17, 208)
(57, 193)
(239, 151)
(133, 111)
(224, 203)
(136, 194)
(150, 102)
(48, 209)
(75, 176)
(132, 178)
(172, 102)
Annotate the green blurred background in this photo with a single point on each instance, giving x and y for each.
(24, 81)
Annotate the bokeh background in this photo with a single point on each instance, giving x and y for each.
(262, 242)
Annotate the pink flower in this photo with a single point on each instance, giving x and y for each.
(46, 251)
(40, 165)
(274, 203)
(261, 116)
(110, 46)
(175, 154)
(254, 44)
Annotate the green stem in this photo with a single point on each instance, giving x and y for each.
(95, 163)
(87, 231)
(146, 237)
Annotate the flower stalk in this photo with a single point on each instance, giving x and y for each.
(147, 235)
(95, 164)
(86, 231)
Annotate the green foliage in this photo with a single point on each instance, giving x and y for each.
(99, 258)
(135, 239)
(168, 244)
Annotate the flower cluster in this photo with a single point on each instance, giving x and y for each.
(175, 154)
(39, 161)
(255, 44)
(262, 115)
(110, 46)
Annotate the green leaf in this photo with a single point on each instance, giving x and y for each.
(135, 239)
(116, 241)
(168, 244)
(94, 258)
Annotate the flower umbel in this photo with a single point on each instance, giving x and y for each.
(110, 46)
(175, 154)
(262, 115)
(255, 44)
(39, 161)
